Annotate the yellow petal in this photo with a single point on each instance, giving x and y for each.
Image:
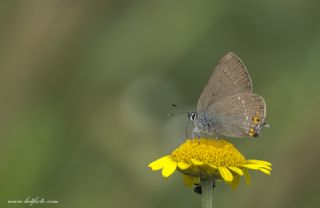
(196, 162)
(183, 166)
(236, 170)
(247, 177)
(251, 166)
(225, 174)
(265, 167)
(209, 168)
(159, 163)
(169, 168)
(267, 172)
(189, 180)
(213, 166)
(260, 162)
(235, 182)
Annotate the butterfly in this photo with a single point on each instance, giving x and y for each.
(227, 106)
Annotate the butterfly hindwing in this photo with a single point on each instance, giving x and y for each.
(235, 115)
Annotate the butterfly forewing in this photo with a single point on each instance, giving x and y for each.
(229, 77)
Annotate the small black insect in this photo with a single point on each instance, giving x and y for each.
(198, 189)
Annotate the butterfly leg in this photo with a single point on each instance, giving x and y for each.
(216, 134)
(195, 131)
(199, 136)
(192, 135)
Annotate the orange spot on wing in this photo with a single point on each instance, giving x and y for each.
(256, 119)
(252, 132)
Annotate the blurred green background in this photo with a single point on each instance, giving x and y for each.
(85, 87)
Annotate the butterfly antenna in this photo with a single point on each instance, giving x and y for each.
(173, 114)
(177, 113)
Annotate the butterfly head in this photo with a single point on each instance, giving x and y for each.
(192, 116)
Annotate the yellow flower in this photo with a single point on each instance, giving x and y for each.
(209, 159)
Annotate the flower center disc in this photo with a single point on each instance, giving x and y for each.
(215, 152)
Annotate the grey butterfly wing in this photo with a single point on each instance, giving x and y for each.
(237, 115)
(229, 77)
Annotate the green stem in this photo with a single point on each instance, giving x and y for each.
(207, 189)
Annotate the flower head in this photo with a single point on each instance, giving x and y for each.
(209, 159)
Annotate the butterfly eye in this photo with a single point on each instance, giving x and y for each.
(192, 116)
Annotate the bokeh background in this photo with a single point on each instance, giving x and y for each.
(86, 86)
